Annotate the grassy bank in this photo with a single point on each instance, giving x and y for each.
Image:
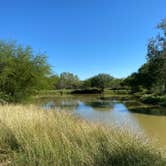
(111, 94)
(135, 102)
(30, 136)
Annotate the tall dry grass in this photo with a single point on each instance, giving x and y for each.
(30, 136)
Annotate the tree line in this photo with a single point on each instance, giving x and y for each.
(67, 80)
(23, 72)
(150, 77)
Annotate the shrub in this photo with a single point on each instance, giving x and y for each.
(163, 101)
(21, 72)
(150, 99)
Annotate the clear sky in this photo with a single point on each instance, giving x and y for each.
(84, 37)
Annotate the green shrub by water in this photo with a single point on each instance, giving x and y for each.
(30, 136)
(150, 99)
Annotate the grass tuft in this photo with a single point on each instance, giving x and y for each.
(31, 136)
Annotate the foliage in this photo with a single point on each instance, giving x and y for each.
(68, 81)
(86, 84)
(150, 99)
(53, 82)
(163, 100)
(151, 75)
(99, 81)
(87, 91)
(116, 84)
(21, 72)
(29, 136)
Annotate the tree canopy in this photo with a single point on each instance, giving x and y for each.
(68, 81)
(21, 71)
(101, 81)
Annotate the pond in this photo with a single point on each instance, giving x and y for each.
(110, 112)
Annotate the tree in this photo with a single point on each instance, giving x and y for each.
(53, 82)
(116, 83)
(86, 84)
(21, 72)
(101, 81)
(157, 58)
(152, 74)
(68, 81)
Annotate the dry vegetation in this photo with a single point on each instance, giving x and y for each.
(31, 136)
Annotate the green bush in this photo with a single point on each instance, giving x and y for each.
(21, 72)
(163, 100)
(4, 98)
(150, 99)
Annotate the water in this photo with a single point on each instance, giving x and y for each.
(110, 112)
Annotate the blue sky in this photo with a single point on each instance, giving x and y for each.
(84, 37)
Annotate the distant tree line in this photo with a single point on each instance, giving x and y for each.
(65, 80)
(68, 80)
(22, 72)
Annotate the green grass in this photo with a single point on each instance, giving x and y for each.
(52, 93)
(30, 136)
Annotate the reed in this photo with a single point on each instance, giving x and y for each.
(31, 136)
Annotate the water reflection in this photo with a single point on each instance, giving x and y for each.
(149, 111)
(117, 115)
(140, 108)
(65, 104)
(110, 113)
(100, 105)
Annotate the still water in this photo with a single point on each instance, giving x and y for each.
(110, 112)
